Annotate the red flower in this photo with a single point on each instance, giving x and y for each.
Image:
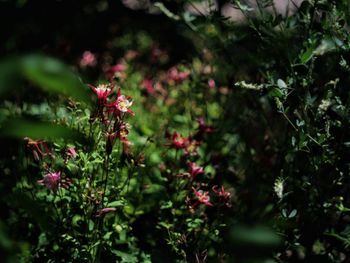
(102, 91)
(195, 169)
(190, 146)
(202, 197)
(177, 141)
(221, 192)
(122, 104)
(203, 127)
(225, 196)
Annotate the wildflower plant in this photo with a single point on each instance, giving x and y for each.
(231, 146)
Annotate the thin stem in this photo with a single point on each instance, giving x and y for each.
(290, 122)
(56, 209)
(105, 180)
(100, 220)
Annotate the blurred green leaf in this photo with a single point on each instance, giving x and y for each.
(52, 75)
(9, 75)
(254, 237)
(48, 73)
(5, 241)
(21, 128)
(154, 188)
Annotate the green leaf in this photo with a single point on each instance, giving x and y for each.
(76, 219)
(91, 225)
(22, 128)
(52, 75)
(116, 203)
(9, 75)
(275, 92)
(154, 188)
(281, 84)
(306, 56)
(126, 257)
(107, 236)
(166, 205)
(254, 236)
(293, 213)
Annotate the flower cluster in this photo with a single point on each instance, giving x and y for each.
(111, 114)
(188, 144)
(202, 197)
(225, 197)
(177, 76)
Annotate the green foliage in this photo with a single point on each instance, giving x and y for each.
(237, 154)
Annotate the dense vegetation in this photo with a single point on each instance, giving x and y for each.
(158, 135)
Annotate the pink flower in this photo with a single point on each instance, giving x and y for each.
(102, 91)
(71, 152)
(111, 71)
(104, 211)
(195, 169)
(221, 192)
(202, 197)
(53, 180)
(148, 85)
(88, 59)
(177, 76)
(211, 84)
(122, 104)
